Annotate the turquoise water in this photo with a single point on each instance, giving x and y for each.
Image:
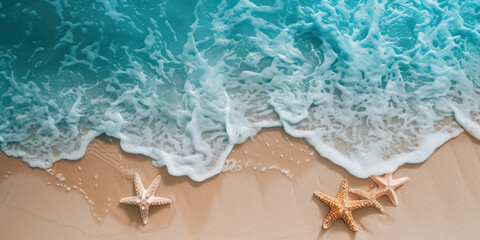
(370, 84)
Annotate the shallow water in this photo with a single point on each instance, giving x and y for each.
(370, 84)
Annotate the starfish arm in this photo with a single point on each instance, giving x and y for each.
(368, 196)
(330, 201)
(153, 187)
(342, 193)
(359, 193)
(393, 197)
(139, 189)
(377, 205)
(357, 204)
(159, 201)
(348, 219)
(330, 218)
(380, 192)
(399, 182)
(380, 180)
(144, 214)
(129, 200)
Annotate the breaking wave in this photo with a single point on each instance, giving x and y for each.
(370, 84)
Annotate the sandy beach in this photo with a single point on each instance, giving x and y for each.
(265, 192)
(98, 95)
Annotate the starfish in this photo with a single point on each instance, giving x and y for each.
(368, 196)
(341, 206)
(145, 198)
(387, 185)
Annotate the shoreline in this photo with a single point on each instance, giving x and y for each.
(265, 191)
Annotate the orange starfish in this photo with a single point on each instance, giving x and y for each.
(145, 198)
(341, 206)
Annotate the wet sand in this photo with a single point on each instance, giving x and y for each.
(265, 192)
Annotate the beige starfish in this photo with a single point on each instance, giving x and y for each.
(368, 196)
(387, 185)
(342, 207)
(145, 198)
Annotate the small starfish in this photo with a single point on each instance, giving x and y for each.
(387, 185)
(368, 196)
(145, 198)
(341, 206)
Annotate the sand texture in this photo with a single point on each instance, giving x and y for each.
(265, 192)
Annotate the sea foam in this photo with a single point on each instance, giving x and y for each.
(370, 84)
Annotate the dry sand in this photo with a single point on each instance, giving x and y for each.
(265, 192)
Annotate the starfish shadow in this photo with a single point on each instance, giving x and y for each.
(133, 214)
